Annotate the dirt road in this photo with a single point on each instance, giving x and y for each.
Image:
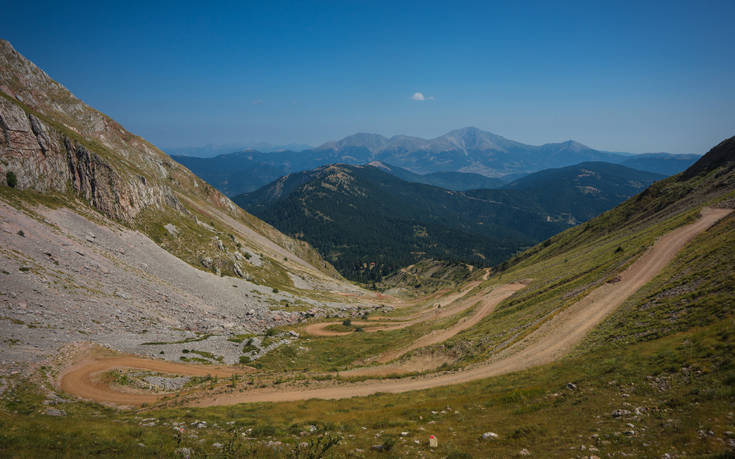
(551, 341)
(82, 379)
(486, 306)
(433, 311)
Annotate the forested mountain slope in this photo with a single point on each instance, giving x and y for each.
(369, 223)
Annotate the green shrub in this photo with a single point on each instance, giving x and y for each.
(266, 430)
(11, 179)
(347, 322)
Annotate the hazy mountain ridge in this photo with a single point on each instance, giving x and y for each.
(467, 150)
(212, 150)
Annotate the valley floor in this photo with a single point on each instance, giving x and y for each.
(556, 337)
(387, 359)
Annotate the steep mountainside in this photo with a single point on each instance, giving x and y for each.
(106, 237)
(369, 223)
(53, 142)
(432, 161)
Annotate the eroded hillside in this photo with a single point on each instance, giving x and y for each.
(106, 239)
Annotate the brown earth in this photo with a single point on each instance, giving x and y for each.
(486, 306)
(381, 323)
(83, 378)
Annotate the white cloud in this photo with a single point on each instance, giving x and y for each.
(420, 97)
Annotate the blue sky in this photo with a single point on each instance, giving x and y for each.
(621, 76)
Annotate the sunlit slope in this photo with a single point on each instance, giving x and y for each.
(53, 143)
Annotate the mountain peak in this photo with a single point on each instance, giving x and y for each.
(372, 142)
(573, 145)
(472, 138)
(379, 165)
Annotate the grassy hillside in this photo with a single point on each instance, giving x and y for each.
(655, 379)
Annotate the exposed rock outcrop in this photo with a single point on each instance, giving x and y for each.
(45, 159)
(54, 142)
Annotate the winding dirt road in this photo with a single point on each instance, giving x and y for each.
(549, 342)
(82, 379)
(487, 305)
(384, 324)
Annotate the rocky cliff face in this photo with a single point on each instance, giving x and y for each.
(50, 155)
(44, 159)
(53, 142)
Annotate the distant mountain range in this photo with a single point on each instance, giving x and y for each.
(210, 151)
(469, 150)
(368, 222)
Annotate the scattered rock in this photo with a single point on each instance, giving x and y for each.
(571, 386)
(489, 436)
(620, 413)
(55, 412)
(172, 229)
(184, 452)
(524, 452)
(274, 444)
(207, 262)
